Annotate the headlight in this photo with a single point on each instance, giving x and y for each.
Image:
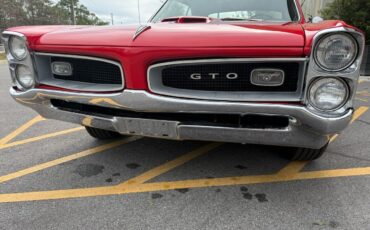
(336, 52)
(18, 48)
(328, 94)
(24, 77)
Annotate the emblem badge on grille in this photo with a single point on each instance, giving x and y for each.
(61, 68)
(267, 77)
(214, 76)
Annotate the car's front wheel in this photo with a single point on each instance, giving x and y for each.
(305, 154)
(102, 134)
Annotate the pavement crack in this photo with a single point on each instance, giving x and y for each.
(351, 157)
(365, 122)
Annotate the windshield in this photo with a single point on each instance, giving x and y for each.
(231, 10)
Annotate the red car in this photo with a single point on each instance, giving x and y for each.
(242, 71)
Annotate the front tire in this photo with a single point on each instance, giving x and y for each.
(102, 134)
(305, 154)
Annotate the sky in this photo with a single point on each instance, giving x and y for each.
(124, 11)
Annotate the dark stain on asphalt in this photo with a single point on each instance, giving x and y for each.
(218, 190)
(183, 190)
(89, 170)
(156, 196)
(133, 166)
(333, 224)
(109, 180)
(261, 197)
(116, 175)
(241, 167)
(247, 196)
(244, 189)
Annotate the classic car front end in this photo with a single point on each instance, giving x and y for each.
(196, 74)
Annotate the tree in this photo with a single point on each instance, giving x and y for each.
(44, 12)
(354, 12)
(82, 15)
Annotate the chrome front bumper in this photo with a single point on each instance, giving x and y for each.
(306, 129)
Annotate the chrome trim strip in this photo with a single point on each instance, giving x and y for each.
(152, 17)
(13, 33)
(155, 83)
(298, 12)
(122, 86)
(141, 29)
(229, 60)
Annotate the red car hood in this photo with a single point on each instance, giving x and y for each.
(180, 35)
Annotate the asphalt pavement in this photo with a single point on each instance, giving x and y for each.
(53, 175)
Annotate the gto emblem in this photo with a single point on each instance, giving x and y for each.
(213, 76)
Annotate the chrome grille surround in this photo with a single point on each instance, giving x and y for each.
(46, 77)
(156, 84)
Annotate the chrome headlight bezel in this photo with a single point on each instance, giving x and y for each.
(13, 61)
(337, 107)
(350, 75)
(355, 53)
(12, 39)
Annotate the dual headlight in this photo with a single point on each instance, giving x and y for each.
(328, 94)
(23, 69)
(18, 48)
(336, 52)
(333, 53)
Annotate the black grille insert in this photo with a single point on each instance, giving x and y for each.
(179, 77)
(252, 121)
(91, 71)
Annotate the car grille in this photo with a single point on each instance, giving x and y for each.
(179, 77)
(90, 71)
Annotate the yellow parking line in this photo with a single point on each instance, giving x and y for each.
(34, 139)
(20, 130)
(360, 99)
(247, 180)
(170, 165)
(359, 112)
(163, 186)
(295, 167)
(292, 168)
(62, 160)
(109, 190)
(59, 194)
(363, 93)
(137, 184)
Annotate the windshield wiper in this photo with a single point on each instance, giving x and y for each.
(241, 19)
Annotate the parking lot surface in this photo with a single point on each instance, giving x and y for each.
(54, 176)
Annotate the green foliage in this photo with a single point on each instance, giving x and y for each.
(82, 15)
(44, 12)
(354, 12)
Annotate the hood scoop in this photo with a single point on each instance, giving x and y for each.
(187, 19)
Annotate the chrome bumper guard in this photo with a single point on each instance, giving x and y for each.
(306, 129)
